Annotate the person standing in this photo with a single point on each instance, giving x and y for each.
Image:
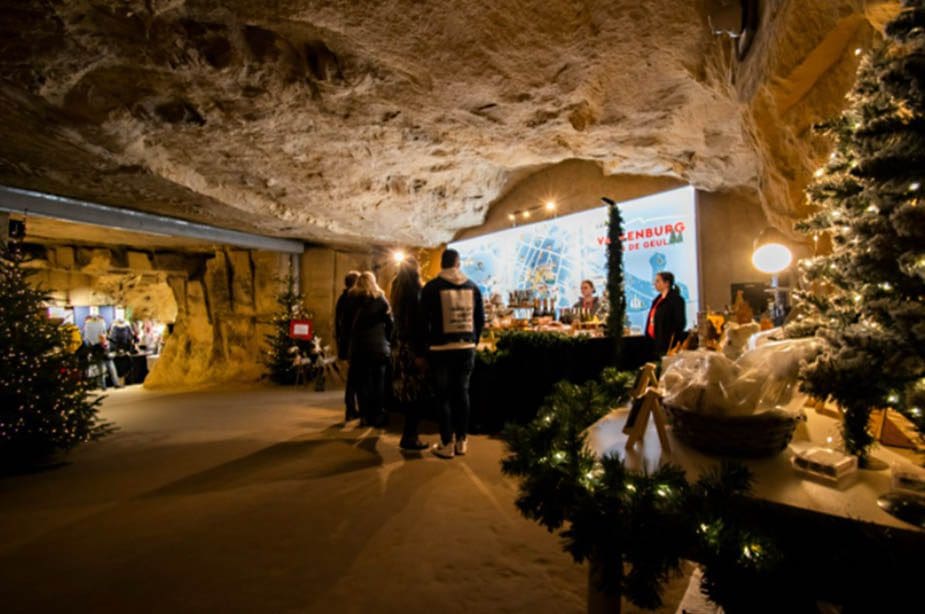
(409, 384)
(452, 317)
(666, 321)
(343, 322)
(369, 347)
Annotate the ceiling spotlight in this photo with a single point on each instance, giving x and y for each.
(399, 255)
(915, 185)
(511, 217)
(550, 206)
(526, 214)
(857, 51)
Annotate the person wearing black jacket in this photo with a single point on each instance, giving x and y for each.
(666, 321)
(369, 347)
(409, 384)
(343, 322)
(452, 316)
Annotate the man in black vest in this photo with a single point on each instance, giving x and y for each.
(453, 317)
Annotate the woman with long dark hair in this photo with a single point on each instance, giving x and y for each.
(409, 385)
(666, 322)
(369, 347)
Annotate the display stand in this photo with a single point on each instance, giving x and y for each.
(647, 401)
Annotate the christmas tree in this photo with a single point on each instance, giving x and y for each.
(866, 299)
(44, 401)
(617, 312)
(283, 349)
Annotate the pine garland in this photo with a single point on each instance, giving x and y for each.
(636, 526)
(45, 406)
(615, 291)
(867, 297)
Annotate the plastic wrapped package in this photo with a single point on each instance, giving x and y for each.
(735, 338)
(761, 379)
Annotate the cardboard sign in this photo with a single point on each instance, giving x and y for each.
(300, 329)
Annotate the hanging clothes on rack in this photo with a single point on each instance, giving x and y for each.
(94, 334)
(122, 337)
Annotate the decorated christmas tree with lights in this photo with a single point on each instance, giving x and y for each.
(44, 402)
(282, 348)
(866, 298)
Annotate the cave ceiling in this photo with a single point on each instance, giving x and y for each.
(355, 122)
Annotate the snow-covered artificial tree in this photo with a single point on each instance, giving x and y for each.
(866, 298)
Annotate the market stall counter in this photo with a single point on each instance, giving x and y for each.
(516, 369)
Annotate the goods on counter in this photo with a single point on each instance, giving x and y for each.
(735, 338)
(760, 380)
(829, 464)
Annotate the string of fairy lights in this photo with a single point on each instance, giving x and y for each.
(42, 388)
(523, 215)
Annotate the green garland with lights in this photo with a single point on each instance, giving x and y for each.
(635, 526)
(45, 405)
(866, 300)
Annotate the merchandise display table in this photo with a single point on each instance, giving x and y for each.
(775, 480)
(838, 545)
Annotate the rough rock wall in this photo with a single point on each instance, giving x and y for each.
(224, 310)
(403, 121)
(802, 63)
(221, 303)
(322, 275)
(354, 122)
(100, 276)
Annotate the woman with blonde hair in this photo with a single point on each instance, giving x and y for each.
(369, 347)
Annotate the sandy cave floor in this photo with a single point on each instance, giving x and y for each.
(260, 499)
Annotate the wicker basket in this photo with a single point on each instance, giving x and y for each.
(764, 434)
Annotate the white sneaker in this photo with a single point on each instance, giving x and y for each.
(462, 446)
(443, 450)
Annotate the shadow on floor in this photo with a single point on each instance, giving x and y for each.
(288, 460)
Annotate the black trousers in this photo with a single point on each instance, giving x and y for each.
(452, 370)
(350, 393)
(370, 382)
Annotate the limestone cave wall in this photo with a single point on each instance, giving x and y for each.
(803, 61)
(225, 307)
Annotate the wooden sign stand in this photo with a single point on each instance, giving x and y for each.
(647, 401)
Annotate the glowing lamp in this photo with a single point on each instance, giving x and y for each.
(550, 206)
(771, 254)
(399, 256)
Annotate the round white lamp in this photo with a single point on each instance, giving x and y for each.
(771, 254)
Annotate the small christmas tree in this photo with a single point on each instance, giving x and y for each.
(617, 312)
(44, 402)
(867, 298)
(283, 349)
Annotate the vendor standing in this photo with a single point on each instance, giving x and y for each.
(666, 322)
(588, 301)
